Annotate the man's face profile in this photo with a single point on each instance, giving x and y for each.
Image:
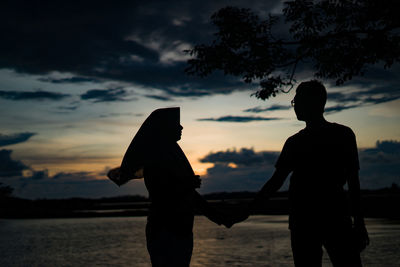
(306, 106)
(300, 107)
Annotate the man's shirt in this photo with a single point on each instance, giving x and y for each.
(320, 160)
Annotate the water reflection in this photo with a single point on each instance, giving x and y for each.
(260, 241)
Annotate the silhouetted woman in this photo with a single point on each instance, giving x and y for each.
(155, 155)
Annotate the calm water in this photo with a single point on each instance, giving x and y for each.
(260, 241)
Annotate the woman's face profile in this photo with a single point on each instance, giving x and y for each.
(179, 132)
(175, 132)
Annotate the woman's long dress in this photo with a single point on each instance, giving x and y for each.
(170, 182)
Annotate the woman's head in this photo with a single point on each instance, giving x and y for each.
(164, 124)
(162, 127)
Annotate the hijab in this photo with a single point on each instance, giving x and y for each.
(152, 136)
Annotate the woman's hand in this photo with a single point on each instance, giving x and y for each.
(196, 181)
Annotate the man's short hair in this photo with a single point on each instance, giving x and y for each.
(314, 92)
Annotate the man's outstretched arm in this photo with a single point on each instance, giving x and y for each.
(270, 187)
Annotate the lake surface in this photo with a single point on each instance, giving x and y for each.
(120, 241)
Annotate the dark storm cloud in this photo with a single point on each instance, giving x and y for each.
(17, 138)
(239, 119)
(37, 95)
(10, 167)
(248, 170)
(132, 41)
(105, 95)
(271, 108)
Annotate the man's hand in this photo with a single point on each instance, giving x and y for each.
(361, 238)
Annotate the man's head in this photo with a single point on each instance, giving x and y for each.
(310, 99)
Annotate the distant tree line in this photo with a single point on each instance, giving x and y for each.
(5, 191)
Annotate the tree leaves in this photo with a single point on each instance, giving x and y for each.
(340, 38)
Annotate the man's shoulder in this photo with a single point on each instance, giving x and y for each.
(340, 129)
(295, 136)
(331, 129)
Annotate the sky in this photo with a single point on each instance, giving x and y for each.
(77, 79)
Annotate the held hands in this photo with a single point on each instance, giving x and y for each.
(229, 219)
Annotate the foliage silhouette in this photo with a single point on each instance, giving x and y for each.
(5, 191)
(339, 39)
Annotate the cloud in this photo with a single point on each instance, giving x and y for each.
(74, 105)
(38, 95)
(239, 119)
(118, 115)
(388, 146)
(34, 184)
(341, 97)
(68, 108)
(70, 184)
(242, 157)
(338, 108)
(380, 166)
(75, 79)
(17, 138)
(248, 170)
(139, 42)
(271, 108)
(10, 167)
(376, 95)
(105, 95)
(74, 176)
(365, 95)
(233, 170)
(159, 97)
(376, 88)
(238, 170)
(39, 175)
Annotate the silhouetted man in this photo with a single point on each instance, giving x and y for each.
(322, 158)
